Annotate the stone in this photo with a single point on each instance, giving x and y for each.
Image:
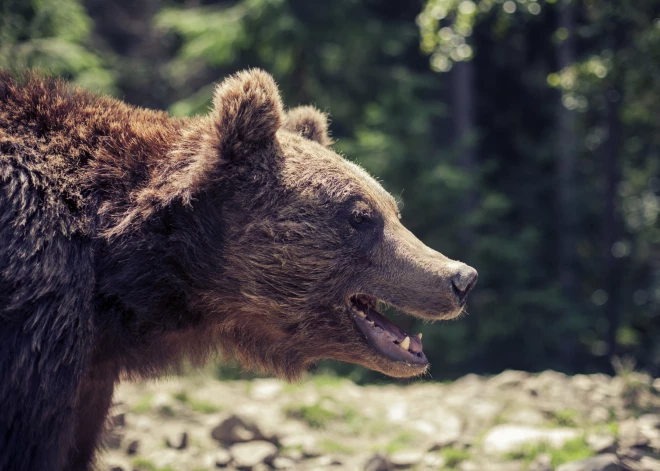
(601, 443)
(132, 447)
(542, 462)
(265, 389)
(606, 462)
(235, 429)
(599, 415)
(646, 463)
(434, 461)
(651, 421)
(656, 385)
(249, 454)
(165, 405)
(177, 440)
(524, 416)
(378, 462)
(508, 438)
(406, 459)
(443, 441)
(305, 444)
(221, 458)
(118, 420)
(508, 378)
(630, 434)
(283, 462)
(468, 466)
(112, 439)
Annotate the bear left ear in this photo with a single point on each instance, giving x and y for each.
(310, 123)
(247, 111)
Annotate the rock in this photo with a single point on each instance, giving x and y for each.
(283, 462)
(132, 447)
(249, 454)
(600, 444)
(468, 466)
(524, 416)
(406, 459)
(378, 462)
(434, 461)
(651, 421)
(507, 438)
(235, 429)
(607, 462)
(165, 404)
(630, 434)
(118, 420)
(221, 458)
(306, 445)
(599, 415)
(265, 389)
(112, 439)
(508, 378)
(646, 463)
(178, 440)
(656, 385)
(444, 441)
(649, 427)
(542, 462)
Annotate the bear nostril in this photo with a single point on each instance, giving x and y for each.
(463, 281)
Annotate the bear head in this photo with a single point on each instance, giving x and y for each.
(288, 248)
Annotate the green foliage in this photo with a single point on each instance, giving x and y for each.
(51, 35)
(395, 109)
(315, 415)
(454, 456)
(573, 450)
(405, 439)
(332, 446)
(563, 418)
(143, 464)
(324, 412)
(197, 405)
(143, 405)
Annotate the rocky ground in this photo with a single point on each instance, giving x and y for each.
(511, 422)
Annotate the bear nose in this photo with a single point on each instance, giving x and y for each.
(463, 281)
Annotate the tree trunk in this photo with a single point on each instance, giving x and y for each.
(566, 164)
(612, 223)
(464, 92)
(464, 119)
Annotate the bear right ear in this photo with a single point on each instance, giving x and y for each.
(310, 123)
(247, 111)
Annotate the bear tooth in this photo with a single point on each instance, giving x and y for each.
(419, 336)
(362, 314)
(406, 343)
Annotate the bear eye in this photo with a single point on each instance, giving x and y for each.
(360, 220)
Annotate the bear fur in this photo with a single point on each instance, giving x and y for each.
(132, 242)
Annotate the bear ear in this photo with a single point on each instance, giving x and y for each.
(247, 111)
(310, 123)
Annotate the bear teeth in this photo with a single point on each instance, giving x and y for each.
(406, 343)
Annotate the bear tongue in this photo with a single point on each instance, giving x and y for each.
(395, 331)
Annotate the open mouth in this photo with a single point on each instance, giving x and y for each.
(384, 336)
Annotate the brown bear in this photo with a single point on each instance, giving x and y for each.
(131, 242)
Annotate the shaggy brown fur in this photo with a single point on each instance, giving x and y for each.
(131, 241)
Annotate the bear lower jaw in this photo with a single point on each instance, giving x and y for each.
(386, 338)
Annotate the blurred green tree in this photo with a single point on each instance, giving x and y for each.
(521, 137)
(52, 35)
